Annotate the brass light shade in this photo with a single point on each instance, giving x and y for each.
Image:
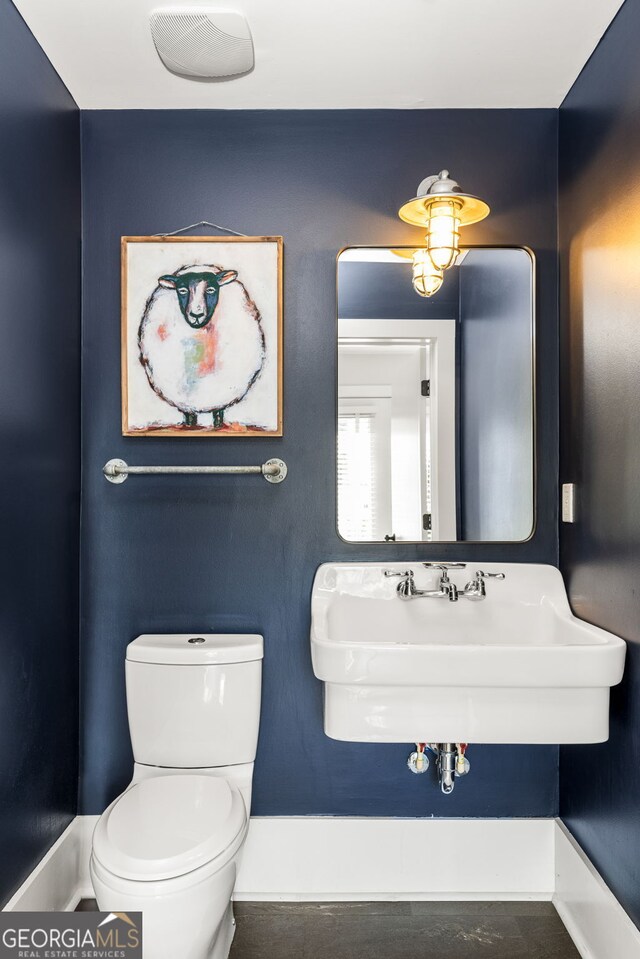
(442, 208)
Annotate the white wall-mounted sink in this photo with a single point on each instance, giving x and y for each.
(517, 667)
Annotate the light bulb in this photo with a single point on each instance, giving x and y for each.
(427, 279)
(443, 232)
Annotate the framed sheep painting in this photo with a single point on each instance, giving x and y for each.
(202, 336)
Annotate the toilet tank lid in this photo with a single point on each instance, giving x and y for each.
(195, 649)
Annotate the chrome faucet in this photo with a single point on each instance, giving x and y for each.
(474, 590)
(406, 588)
(445, 583)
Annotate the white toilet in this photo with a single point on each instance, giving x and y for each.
(169, 845)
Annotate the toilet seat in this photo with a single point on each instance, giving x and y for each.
(168, 826)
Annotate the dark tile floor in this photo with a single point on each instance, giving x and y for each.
(397, 930)
(87, 905)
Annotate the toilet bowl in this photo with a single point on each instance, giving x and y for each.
(169, 845)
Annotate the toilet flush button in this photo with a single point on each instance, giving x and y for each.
(197, 640)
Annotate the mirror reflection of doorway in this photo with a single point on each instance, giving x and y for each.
(396, 430)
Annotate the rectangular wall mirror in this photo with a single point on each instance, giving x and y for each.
(435, 408)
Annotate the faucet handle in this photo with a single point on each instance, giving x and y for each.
(444, 565)
(407, 574)
(476, 589)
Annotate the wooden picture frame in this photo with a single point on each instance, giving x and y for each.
(201, 336)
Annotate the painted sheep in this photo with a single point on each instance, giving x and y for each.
(201, 341)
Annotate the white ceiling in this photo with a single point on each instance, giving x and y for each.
(333, 53)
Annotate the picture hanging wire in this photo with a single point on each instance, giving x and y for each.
(192, 226)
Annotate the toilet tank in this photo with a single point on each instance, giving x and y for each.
(193, 700)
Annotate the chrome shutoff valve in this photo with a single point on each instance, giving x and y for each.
(462, 766)
(418, 761)
(462, 763)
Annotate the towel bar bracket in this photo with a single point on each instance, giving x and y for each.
(117, 471)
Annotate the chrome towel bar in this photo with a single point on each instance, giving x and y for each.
(116, 471)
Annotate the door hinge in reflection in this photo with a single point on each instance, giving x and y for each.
(426, 521)
(425, 388)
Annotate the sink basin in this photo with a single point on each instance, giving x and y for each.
(517, 667)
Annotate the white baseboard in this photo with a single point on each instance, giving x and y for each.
(596, 921)
(312, 858)
(54, 884)
(328, 858)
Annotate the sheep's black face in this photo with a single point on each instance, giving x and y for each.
(197, 294)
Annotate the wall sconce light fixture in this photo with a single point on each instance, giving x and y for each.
(442, 208)
(427, 279)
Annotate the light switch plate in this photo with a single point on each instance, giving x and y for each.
(568, 502)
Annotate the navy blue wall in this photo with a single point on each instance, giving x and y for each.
(39, 448)
(600, 244)
(196, 553)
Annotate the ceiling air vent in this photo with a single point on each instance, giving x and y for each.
(202, 42)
